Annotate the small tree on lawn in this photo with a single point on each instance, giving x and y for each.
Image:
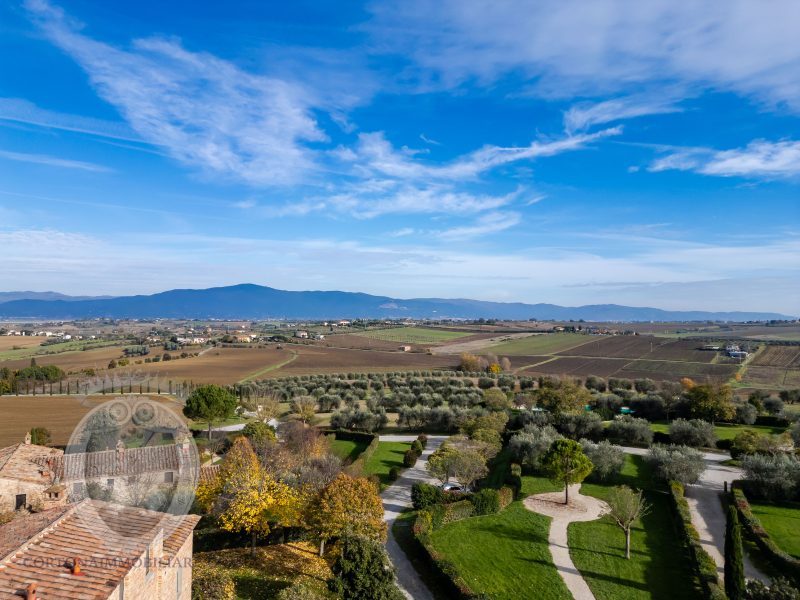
(441, 463)
(468, 466)
(362, 570)
(566, 463)
(210, 403)
(625, 507)
(734, 565)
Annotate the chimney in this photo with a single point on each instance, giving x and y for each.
(30, 592)
(76, 566)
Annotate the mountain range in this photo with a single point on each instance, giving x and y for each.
(249, 301)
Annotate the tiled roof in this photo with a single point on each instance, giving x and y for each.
(117, 463)
(208, 473)
(27, 462)
(108, 538)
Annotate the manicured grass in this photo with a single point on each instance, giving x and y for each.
(782, 523)
(724, 431)
(413, 335)
(348, 450)
(658, 567)
(203, 426)
(505, 556)
(547, 343)
(387, 455)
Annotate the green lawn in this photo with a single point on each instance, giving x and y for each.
(388, 455)
(413, 335)
(782, 523)
(724, 431)
(203, 426)
(505, 556)
(658, 567)
(348, 450)
(547, 343)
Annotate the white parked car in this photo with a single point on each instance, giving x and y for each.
(452, 487)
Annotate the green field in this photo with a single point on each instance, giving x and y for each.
(782, 523)
(658, 567)
(547, 343)
(505, 556)
(388, 455)
(50, 349)
(412, 335)
(348, 450)
(724, 431)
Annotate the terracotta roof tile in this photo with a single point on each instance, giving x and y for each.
(116, 463)
(27, 462)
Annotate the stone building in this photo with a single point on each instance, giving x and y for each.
(97, 550)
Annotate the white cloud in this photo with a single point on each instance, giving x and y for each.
(759, 158)
(565, 48)
(493, 222)
(206, 111)
(584, 115)
(53, 161)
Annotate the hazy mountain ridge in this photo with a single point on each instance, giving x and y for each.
(249, 301)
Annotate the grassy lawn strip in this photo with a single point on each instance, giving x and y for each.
(658, 567)
(782, 523)
(273, 568)
(505, 556)
(388, 455)
(348, 450)
(724, 431)
(273, 367)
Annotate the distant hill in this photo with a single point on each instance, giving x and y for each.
(10, 296)
(248, 301)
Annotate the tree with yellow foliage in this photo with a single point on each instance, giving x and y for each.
(346, 506)
(250, 499)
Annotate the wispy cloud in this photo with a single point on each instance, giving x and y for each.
(206, 111)
(586, 114)
(493, 222)
(759, 159)
(53, 161)
(567, 48)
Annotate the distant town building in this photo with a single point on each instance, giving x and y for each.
(301, 334)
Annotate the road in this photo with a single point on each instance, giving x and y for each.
(397, 498)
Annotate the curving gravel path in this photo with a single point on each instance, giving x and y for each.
(397, 498)
(580, 508)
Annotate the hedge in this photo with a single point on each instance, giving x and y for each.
(704, 565)
(356, 468)
(506, 496)
(772, 421)
(783, 562)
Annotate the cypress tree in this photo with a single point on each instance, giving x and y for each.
(734, 563)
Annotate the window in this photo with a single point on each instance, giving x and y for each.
(110, 483)
(169, 477)
(21, 501)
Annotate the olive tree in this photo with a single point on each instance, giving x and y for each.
(625, 507)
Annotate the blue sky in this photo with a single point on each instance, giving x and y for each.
(566, 152)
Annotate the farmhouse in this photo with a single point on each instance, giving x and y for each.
(301, 334)
(97, 549)
(405, 348)
(34, 476)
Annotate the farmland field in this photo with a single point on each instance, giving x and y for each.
(618, 346)
(778, 356)
(73, 361)
(319, 359)
(25, 353)
(8, 342)
(775, 377)
(547, 343)
(579, 366)
(646, 368)
(413, 335)
(59, 414)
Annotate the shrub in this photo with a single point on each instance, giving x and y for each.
(424, 495)
(781, 589)
(211, 582)
(416, 446)
(486, 383)
(505, 496)
(650, 407)
(695, 433)
(607, 459)
(394, 473)
(625, 429)
(746, 414)
(455, 511)
(771, 477)
(410, 458)
(300, 590)
(362, 570)
(773, 406)
(796, 434)
(486, 502)
(734, 562)
(677, 463)
(422, 439)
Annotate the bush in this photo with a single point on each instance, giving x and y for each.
(650, 407)
(607, 459)
(300, 590)
(362, 570)
(734, 562)
(773, 406)
(424, 495)
(746, 414)
(486, 502)
(796, 434)
(677, 463)
(211, 582)
(772, 477)
(695, 433)
(394, 473)
(781, 589)
(423, 439)
(416, 446)
(410, 458)
(625, 429)
(505, 496)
